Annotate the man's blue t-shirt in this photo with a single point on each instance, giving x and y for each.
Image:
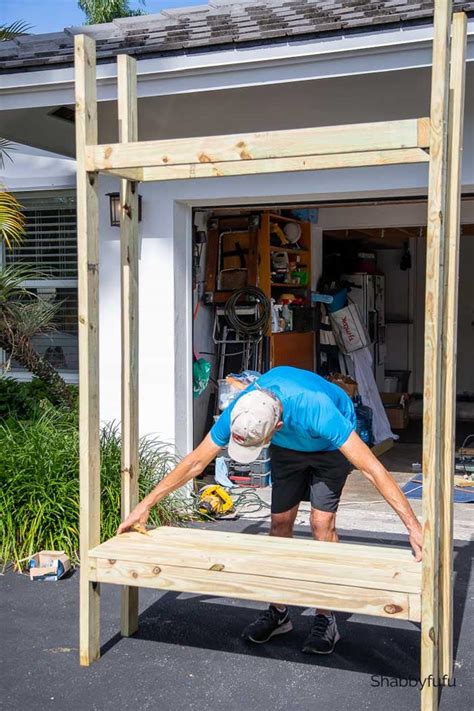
(317, 415)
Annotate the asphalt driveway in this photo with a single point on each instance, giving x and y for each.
(188, 653)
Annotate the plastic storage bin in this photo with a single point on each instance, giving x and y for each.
(260, 466)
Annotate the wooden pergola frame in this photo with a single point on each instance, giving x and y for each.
(142, 561)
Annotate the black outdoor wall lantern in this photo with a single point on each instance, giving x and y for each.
(114, 204)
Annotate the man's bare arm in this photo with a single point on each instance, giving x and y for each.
(191, 466)
(362, 458)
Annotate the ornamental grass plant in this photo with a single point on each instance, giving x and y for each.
(39, 484)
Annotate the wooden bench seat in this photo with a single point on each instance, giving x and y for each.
(372, 580)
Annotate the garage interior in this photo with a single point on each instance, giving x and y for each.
(298, 260)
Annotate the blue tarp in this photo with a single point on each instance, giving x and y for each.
(462, 494)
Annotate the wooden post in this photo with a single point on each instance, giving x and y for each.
(89, 422)
(128, 132)
(449, 339)
(432, 391)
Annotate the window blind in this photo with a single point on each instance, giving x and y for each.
(49, 247)
(50, 242)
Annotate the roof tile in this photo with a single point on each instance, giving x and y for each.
(220, 22)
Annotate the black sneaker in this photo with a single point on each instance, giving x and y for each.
(267, 625)
(323, 636)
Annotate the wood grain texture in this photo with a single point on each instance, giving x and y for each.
(450, 327)
(375, 580)
(264, 260)
(273, 165)
(432, 391)
(128, 132)
(170, 535)
(279, 165)
(390, 568)
(88, 292)
(293, 348)
(344, 598)
(322, 141)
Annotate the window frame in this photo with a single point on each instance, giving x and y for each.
(20, 374)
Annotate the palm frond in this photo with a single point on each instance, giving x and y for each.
(5, 147)
(12, 279)
(12, 219)
(9, 32)
(100, 11)
(34, 317)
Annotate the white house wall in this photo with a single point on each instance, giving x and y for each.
(33, 169)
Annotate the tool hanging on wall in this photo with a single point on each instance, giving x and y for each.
(240, 328)
(262, 311)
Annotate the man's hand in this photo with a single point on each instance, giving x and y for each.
(139, 515)
(416, 541)
(192, 465)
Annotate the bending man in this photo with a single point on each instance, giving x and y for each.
(311, 426)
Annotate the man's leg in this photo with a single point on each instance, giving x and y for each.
(275, 620)
(282, 526)
(323, 526)
(324, 633)
(330, 474)
(282, 523)
(290, 485)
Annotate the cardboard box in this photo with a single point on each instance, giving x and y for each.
(49, 565)
(397, 410)
(347, 384)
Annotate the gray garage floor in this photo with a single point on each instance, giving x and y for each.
(188, 653)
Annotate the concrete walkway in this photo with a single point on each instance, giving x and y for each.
(362, 507)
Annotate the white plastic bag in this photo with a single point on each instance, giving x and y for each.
(348, 329)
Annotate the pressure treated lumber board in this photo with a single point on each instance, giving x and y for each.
(353, 578)
(274, 165)
(450, 328)
(378, 136)
(88, 295)
(433, 394)
(128, 131)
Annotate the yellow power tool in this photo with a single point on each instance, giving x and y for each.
(214, 501)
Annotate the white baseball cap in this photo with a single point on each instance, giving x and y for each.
(253, 418)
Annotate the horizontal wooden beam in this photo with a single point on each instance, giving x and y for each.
(311, 564)
(343, 598)
(273, 165)
(353, 578)
(274, 145)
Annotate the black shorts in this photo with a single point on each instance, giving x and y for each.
(318, 477)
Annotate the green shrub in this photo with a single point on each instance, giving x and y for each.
(39, 496)
(25, 400)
